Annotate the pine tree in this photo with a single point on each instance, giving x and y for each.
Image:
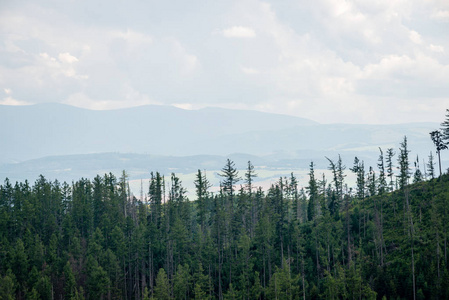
(155, 195)
(437, 138)
(97, 279)
(390, 173)
(7, 286)
(313, 194)
(445, 128)
(162, 289)
(418, 176)
(202, 185)
(249, 178)
(382, 177)
(359, 170)
(337, 172)
(250, 174)
(371, 182)
(230, 178)
(431, 166)
(404, 175)
(70, 283)
(201, 283)
(181, 282)
(294, 196)
(19, 261)
(404, 170)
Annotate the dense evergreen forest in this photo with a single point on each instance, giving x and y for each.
(92, 239)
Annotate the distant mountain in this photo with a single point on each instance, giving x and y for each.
(68, 142)
(29, 132)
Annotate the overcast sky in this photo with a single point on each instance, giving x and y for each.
(384, 61)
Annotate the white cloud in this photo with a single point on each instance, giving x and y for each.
(239, 32)
(441, 15)
(329, 60)
(12, 101)
(415, 37)
(63, 66)
(187, 106)
(188, 62)
(129, 98)
(67, 58)
(402, 67)
(82, 101)
(436, 48)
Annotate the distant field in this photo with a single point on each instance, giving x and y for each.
(265, 178)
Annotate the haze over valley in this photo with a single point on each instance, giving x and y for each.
(65, 142)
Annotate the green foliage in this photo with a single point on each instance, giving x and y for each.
(95, 240)
(97, 279)
(181, 282)
(7, 286)
(70, 283)
(162, 289)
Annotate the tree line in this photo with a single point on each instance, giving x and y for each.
(385, 237)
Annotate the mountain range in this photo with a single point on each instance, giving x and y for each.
(51, 137)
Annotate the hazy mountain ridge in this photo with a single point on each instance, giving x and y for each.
(68, 142)
(54, 129)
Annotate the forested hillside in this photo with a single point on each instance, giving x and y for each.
(93, 239)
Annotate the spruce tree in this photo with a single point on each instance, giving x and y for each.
(418, 176)
(201, 186)
(155, 195)
(359, 170)
(404, 170)
(445, 128)
(230, 178)
(431, 166)
(162, 289)
(437, 138)
(390, 173)
(313, 194)
(382, 177)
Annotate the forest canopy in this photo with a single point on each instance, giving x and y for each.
(93, 239)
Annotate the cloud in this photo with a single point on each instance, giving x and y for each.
(415, 37)
(9, 100)
(63, 66)
(441, 15)
(12, 101)
(436, 48)
(355, 61)
(188, 62)
(329, 60)
(67, 58)
(187, 106)
(239, 32)
(131, 98)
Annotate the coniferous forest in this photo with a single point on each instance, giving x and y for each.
(384, 237)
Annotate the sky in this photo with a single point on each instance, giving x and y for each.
(332, 61)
